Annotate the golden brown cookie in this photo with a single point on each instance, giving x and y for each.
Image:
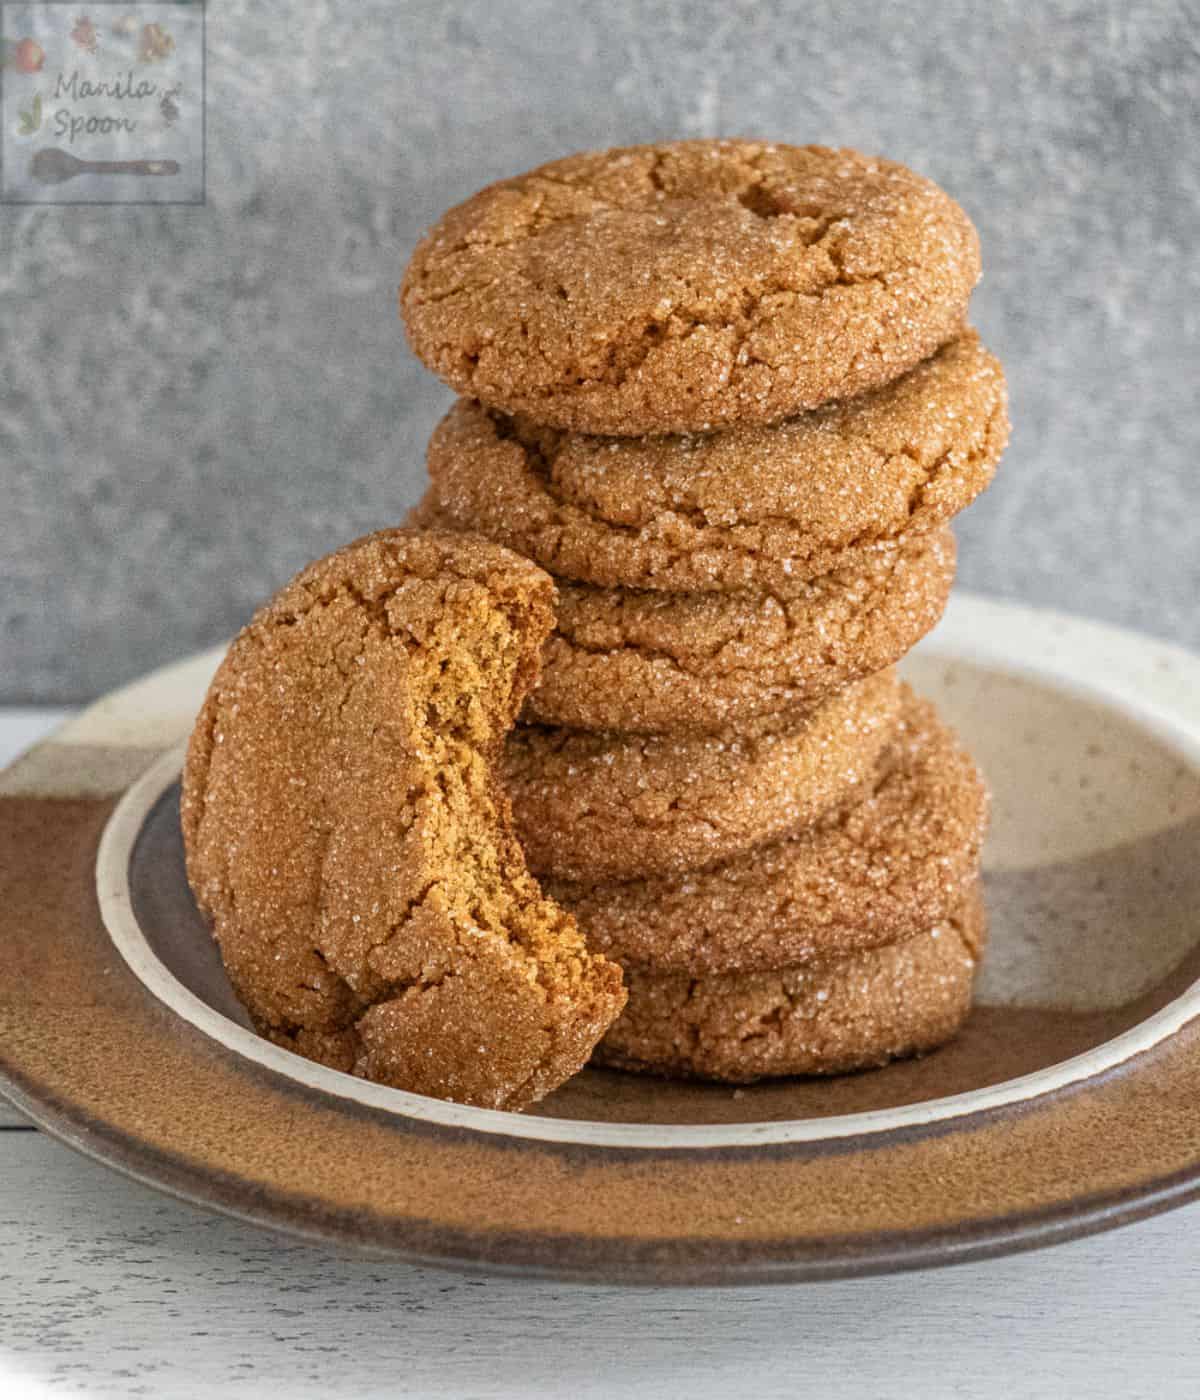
(592, 807)
(346, 839)
(645, 662)
(747, 508)
(683, 286)
(854, 1012)
(650, 662)
(895, 862)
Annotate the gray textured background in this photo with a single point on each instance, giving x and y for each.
(196, 401)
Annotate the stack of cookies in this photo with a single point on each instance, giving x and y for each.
(724, 393)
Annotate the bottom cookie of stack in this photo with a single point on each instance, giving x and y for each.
(826, 1017)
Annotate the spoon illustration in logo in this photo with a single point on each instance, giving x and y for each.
(52, 166)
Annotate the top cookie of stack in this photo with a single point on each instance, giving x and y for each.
(684, 287)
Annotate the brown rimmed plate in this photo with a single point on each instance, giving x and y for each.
(1070, 1103)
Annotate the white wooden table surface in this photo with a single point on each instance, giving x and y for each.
(109, 1289)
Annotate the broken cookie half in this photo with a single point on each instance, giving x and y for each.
(347, 839)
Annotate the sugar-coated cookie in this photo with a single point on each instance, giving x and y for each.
(895, 862)
(645, 662)
(592, 807)
(746, 508)
(346, 838)
(683, 286)
(828, 1017)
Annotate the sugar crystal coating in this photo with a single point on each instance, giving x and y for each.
(891, 863)
(596, 807)
(745, 508)
(828, 1017)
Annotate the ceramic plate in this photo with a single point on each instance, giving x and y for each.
(1071, 1101)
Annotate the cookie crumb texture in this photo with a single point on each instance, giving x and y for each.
(592, 807)
(748, 507)
(346, 838)
(897, 860)
(684, 286)
(828, 1017)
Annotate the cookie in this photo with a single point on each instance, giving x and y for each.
(895, 862)
(346, 839)
(648, 662)
(746, 508)
(683, 286)
(645, 662)
(592, 807)
(855, 1012)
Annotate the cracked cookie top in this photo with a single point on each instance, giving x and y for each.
(748, 507)
(689, 285)
(346, 838)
